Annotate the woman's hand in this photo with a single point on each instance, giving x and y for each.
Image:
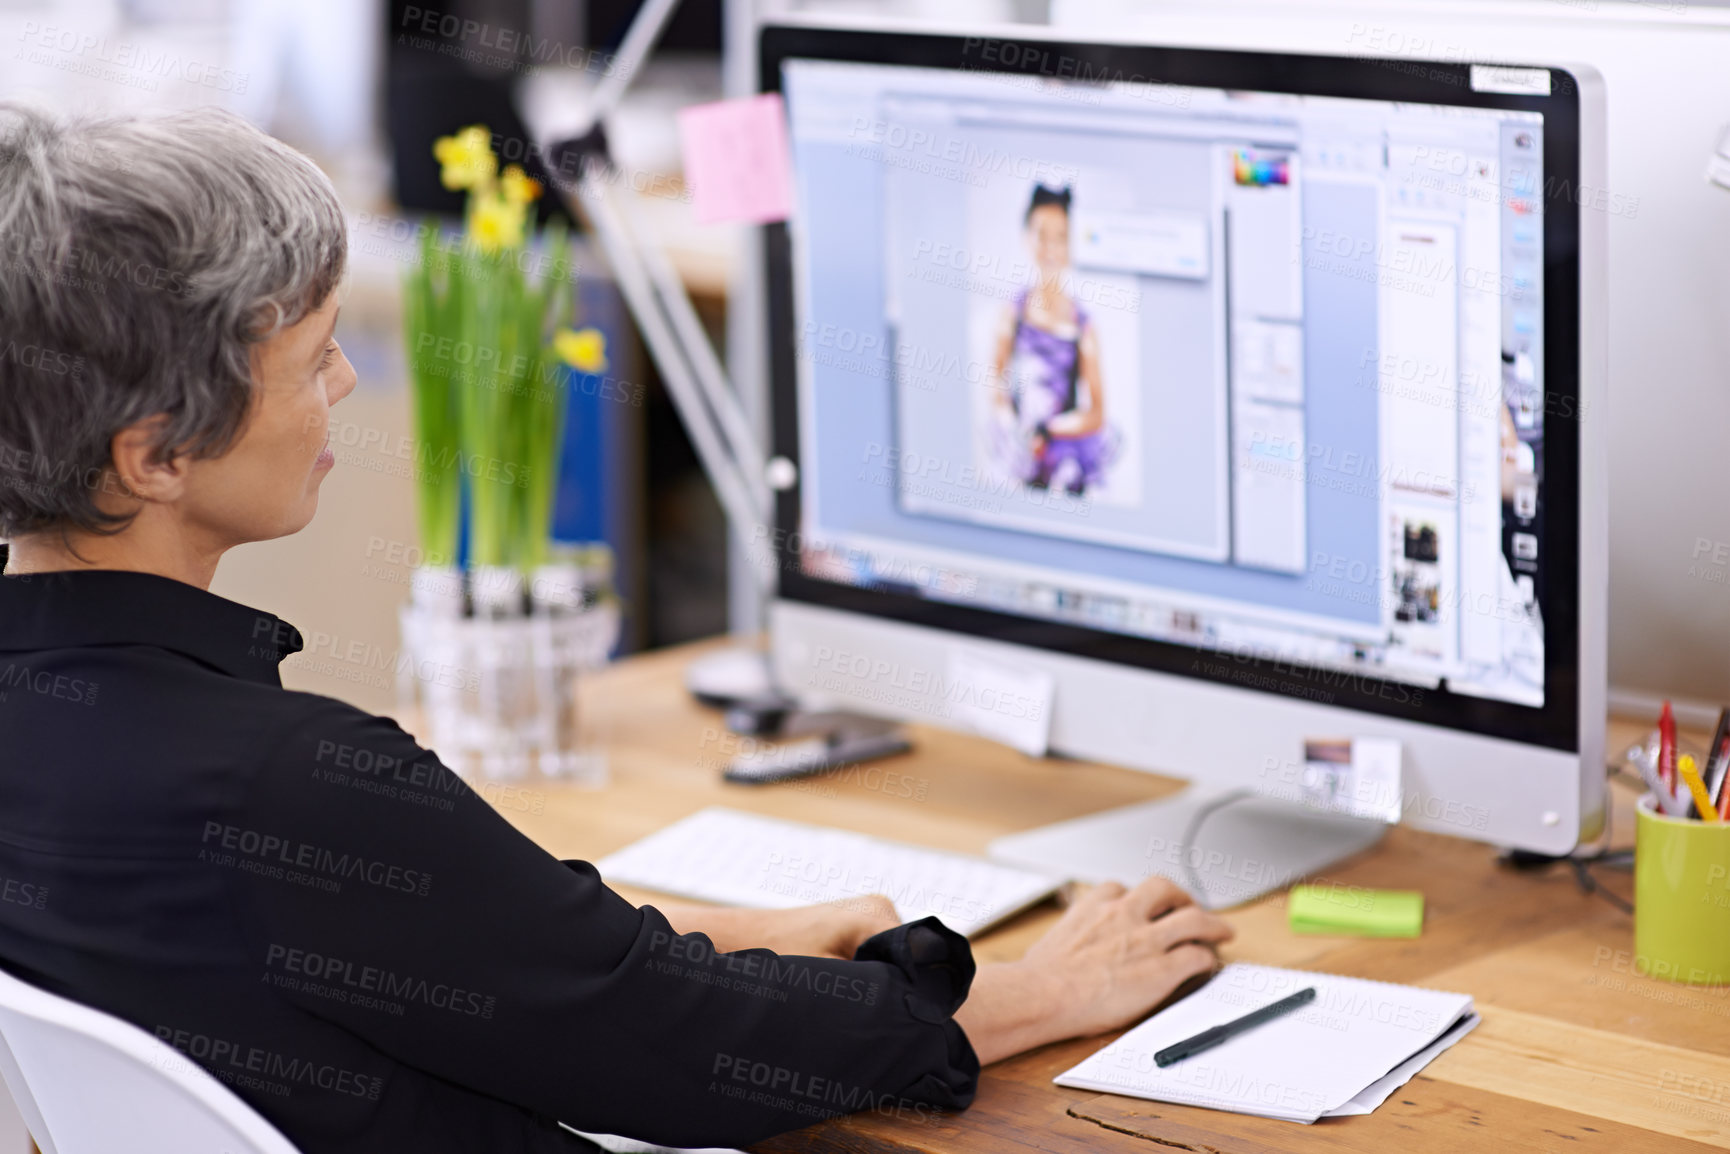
(1122, 952)
(1113, 956)
(1038, 441)
(831, 930)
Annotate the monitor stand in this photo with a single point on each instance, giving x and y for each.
(1240, 845)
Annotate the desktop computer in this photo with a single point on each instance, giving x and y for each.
(1207, 413)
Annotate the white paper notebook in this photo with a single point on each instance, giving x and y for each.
(1357, 1043)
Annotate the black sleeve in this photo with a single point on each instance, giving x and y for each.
(394, 901)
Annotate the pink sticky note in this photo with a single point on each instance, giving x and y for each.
(737, 161)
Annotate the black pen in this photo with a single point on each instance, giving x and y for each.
(1208, 1039)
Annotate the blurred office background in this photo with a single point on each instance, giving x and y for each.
(363, 87)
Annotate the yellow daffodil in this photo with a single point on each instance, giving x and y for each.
(585, 350)
(497, 209)
(494, 222)
(466, 159)
(517, 187)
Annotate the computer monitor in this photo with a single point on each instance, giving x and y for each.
(1226, 404)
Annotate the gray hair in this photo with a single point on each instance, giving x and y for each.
(141, 260)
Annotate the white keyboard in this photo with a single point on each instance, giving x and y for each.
(741, 859)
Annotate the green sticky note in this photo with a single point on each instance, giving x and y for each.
(1356, 911)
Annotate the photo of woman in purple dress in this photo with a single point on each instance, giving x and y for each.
(1049, 427)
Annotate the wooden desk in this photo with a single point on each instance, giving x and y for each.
(1576, 1052)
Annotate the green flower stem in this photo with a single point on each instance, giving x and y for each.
(494, 412)
(431, 299)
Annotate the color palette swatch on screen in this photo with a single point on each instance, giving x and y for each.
(1258, 170)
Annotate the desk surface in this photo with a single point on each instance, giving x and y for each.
(1576, 1050)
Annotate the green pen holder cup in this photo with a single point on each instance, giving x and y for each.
(1681, 897)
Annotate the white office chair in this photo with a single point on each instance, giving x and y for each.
(88, 1083)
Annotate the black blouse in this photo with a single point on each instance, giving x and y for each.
(299, 898)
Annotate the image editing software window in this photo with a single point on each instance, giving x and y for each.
(1253, 372)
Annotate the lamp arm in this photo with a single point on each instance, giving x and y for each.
(706, 406)
(710, 374)
(717, 424)
(646, 28)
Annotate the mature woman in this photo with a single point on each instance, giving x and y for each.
(371, 976)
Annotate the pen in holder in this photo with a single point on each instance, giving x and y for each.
(1681, 896)
(1641, 759)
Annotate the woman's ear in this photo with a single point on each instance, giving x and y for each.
(142, 473)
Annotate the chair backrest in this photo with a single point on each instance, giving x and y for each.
(89, 1083)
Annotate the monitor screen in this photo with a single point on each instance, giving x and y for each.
(1256, 377)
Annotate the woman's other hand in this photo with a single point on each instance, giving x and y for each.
(1113, 956)
(830, 930)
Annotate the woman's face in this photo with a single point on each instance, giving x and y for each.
(266, 485)
(1048, 237)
